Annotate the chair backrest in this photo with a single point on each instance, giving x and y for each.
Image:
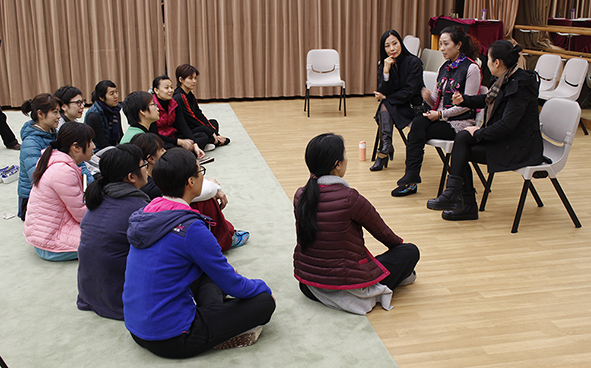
(432, 59)
(548, 67)
(480, 114)
(430, 78)
(323, 64)
(559, 120)
(573, 76)
(413, 44)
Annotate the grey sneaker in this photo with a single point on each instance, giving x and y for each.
(246, 338)
(410, 279)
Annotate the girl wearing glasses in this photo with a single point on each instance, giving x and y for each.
(73, 106)
(103, 241)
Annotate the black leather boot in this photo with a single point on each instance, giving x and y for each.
(451, 198)
(469, 212)
(386, 147)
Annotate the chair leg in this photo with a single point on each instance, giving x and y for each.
(305, 97)
(526, 185)
(480, 174)
(444, 171)
(340, 98)
(486, 191)
(535, 194)
(345, 101)
(566, 203)
(375, 144)
(403, 136)
(308, 99)
(583, 127)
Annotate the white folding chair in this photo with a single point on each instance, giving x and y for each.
(444, 148)
(432, 60)
(558, 121)
(429, 78)
(413, 44)
(571, 82)
(548, 68)
(323, 70)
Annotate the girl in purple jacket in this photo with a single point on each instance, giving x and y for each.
(331, 261)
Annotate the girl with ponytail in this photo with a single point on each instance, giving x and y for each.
(331, 261)
(104, 246)
(56, 203)
(36, 135)
(509, 139)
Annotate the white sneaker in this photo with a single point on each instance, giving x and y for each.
(209, 147)
(9, 174)
(246, 338)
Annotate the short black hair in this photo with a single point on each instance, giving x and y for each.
(67, 93)
(172, 171)
(133, 104)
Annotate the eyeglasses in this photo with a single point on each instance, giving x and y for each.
(202, 170)
(145, 164)
(78, 102)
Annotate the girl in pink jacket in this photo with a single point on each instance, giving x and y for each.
(56, 203)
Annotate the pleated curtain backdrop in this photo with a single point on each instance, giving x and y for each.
(242, 48)
(50, 43)
(505, 10)
(561, 8)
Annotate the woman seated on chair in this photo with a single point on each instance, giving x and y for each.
(331, 261)
(459, 73)
(400, 79)
(509, 139)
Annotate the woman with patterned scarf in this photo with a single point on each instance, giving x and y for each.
(459, 73)
(509, 139)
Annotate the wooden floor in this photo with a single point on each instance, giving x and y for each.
(483, 297)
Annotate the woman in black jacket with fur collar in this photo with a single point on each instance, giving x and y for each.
(509, 139)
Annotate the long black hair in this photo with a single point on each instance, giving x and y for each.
(115, 165)
(383, 54)
(70, 133)
(322, 155)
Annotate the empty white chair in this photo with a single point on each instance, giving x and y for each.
(323, 70)
(571, 81)
(558, 121)
(413, 44)
(548, 68)
(432, 60)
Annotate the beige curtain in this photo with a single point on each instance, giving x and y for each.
(561, 8)
(50, 43)
(505, 10)
(257, 48)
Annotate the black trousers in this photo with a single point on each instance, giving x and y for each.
(466, 149)
(421, 131)
(7, 135)
(399, 260)
(217, 319)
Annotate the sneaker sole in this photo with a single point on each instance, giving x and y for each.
(245, 339)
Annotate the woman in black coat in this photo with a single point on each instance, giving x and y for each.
(400, 80)
(509, 139)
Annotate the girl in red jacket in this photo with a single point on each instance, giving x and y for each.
(331, 261)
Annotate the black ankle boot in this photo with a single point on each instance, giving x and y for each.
(469, 212)
(451, 198)
(380, 163)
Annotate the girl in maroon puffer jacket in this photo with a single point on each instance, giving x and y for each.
(331, 261)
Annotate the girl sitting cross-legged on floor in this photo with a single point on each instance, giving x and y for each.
(331, 261)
